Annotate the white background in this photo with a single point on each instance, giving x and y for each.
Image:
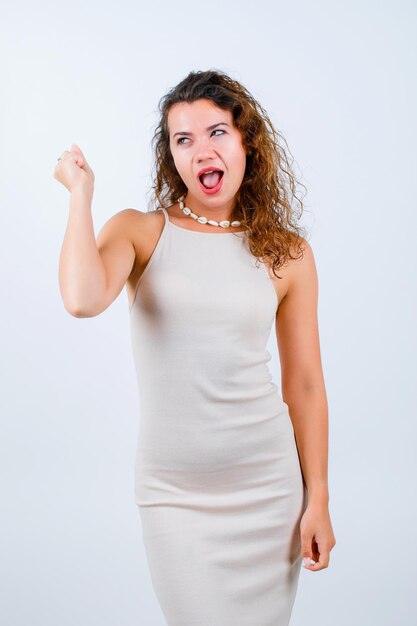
(338, 80)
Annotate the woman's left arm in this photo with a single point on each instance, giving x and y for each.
(303, 389)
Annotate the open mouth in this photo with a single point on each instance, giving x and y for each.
(211, 180)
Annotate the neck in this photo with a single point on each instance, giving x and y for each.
(223, 212)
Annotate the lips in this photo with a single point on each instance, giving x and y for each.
(209, 169)
(212, 190)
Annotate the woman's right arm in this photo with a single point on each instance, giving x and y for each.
(91, 273)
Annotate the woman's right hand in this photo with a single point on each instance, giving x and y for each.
(73, 170)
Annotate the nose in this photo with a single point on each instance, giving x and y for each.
(204, 151)
(205, 157)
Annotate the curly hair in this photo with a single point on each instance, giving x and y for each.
(264, 201)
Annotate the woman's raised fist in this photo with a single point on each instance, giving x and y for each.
(73, 171)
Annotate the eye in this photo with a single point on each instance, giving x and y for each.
(216, 130)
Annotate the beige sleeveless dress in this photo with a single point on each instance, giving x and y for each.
(218, 481)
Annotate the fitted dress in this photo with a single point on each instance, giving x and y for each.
(218, 482)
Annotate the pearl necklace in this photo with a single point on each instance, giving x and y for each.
(204, 220)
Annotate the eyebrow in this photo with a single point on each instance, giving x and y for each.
(185, 132)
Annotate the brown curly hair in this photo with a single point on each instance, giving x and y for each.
(264, 199)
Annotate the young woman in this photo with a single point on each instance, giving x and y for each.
(231, 477)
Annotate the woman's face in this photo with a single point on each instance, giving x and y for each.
(194, 146)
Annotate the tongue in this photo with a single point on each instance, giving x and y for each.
(211, 180)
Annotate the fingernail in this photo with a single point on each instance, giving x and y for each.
(307, 561)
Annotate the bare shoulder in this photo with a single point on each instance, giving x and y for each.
(296, 271)
(144, 230)
(132, 224)
(143, 225)
(119, 224)
(127, 217)
(301, 271)
(131, 229)
(299, 285)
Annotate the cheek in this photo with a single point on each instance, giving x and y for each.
(178, 162)
(239, 163)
